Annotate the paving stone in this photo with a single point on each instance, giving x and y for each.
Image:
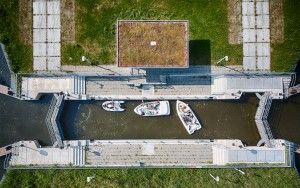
(46, 34)
(53, 7)
(53, 63)
(39, 49)
(248, 21)
(249, 35)
(263, 49)
(39, 35)
(53, 35)
(53, 21)
(263, 63)
(39, 21)
(262, 8)
(249, 49)
(53, 49)
(248, 8)
(39, 7)
(262, 21)
(39, 63)
(249, 63)
(263, 35)
(262, 0)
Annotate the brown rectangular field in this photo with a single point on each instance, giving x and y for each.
(152, 43)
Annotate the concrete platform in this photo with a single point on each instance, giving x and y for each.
(152, 153)
(33, 86)
(174, 153)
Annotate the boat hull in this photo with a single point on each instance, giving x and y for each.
(115, 106)
(190, 126)
(144, 109)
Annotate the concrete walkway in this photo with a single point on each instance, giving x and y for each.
(256, 35)
(46, 35)
(150, 153)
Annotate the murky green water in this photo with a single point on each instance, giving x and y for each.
(220, 120)
(22, 120)
(285, 119)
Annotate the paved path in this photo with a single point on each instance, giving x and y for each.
(183, 153)
(46, 35)
(150, 153)
(256, 34)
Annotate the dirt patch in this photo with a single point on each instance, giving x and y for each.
(25, 21)
(276, 21)
(152, 43)
(67, 21)
(234, 8)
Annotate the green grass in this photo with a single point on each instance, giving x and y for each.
(19, 54)
(276, 177)
(285, 55)
(96, 19)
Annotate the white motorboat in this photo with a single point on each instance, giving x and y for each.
(113, 106)
(187, 117)
(156, 108)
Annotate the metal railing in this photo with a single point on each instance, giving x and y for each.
(52, 120)
(6, 161)
(11, 77)
(261, 119)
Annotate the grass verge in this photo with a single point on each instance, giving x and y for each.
(96, 20)
(285, 55)
(19, 53)
(275, 177)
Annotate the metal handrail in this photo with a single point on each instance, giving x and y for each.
(52, 119)
(261, 118)
(6, 161)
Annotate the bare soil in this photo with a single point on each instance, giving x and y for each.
(234, 8)
(276, 21)
(67, 18)
(168, 48)
(25, 21)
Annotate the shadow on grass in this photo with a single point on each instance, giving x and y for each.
(199, 52)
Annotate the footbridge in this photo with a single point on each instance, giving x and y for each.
(52, 120)
(261, 119)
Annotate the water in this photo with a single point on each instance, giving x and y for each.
(24, 120)
(285, 119)
(21, 120)
(219, 119)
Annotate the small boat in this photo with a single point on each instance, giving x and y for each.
(156, 108)
(187, 117)
(113, 106)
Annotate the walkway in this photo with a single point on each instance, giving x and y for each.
(52, 120)
(46, 35)
(155, 153)
(256, 34)
(261, 119)
(150, 153)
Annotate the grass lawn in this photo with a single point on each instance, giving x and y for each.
(20, 54)
(285, 55)
(96, 27)
(275, 177)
